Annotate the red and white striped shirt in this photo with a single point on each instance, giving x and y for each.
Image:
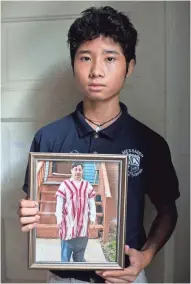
(78, 207)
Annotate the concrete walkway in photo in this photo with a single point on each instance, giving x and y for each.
(50, 250)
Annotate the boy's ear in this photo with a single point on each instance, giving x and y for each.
(130, 67)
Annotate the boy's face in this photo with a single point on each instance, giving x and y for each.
(100, 68)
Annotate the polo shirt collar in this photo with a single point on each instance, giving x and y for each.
(111, 132)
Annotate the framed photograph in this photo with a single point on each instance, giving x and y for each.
(82, 206)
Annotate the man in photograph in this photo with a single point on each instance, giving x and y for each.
(102, 45)
(75, 212)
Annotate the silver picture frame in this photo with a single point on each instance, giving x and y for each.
(46, 172)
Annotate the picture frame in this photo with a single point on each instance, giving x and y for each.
(105, 175)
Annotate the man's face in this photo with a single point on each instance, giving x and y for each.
(77, 172)
(100, 68)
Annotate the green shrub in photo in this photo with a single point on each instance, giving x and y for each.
(109, 248)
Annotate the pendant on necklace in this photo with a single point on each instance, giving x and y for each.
(97, 128)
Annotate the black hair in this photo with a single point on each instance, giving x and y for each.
(107, 22)
(77, 164)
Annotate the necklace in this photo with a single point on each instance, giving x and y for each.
(98, 128)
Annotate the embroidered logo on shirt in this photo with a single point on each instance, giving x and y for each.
(74, 151)
(134, 160)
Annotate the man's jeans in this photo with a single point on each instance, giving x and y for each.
(75, 248)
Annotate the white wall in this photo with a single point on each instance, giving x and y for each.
(37, 84)
(178, 127)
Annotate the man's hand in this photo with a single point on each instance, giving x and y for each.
(28, 213)
(138, 261)
(92, 225)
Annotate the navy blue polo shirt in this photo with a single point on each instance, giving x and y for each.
(150, 169)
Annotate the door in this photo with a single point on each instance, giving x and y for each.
(38, 87)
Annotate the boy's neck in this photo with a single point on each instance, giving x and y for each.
(101, 111)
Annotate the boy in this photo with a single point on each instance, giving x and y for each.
(102, 49)
(75, 209)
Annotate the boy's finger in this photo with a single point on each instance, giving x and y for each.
(27, 203)
(29, 227)
(29, 220)
(30, 212)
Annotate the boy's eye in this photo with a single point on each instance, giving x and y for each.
(110, 59)
(85, 58)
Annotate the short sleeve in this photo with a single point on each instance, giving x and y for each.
(35, 147)
(61, 191)
(162, 181)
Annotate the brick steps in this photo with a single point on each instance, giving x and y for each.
(47, 231)
(47, 219)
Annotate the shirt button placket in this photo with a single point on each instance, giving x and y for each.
(96, 135)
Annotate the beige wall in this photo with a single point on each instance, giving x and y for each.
(37, 84)
(178, 129)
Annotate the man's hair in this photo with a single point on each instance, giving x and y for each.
(107, 22)
(77, 164)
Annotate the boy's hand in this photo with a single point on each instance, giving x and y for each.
(129, 274)
(28, 213)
